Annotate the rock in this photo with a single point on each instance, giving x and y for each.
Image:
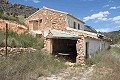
(41, 78)
(2, 53)
(115, 45)
(15, 51)
(70, 64)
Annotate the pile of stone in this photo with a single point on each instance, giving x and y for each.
(116, 45)
(12, 51)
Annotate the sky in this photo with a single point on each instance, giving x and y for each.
(103, 15)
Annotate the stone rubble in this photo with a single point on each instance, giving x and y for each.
(12, 51)
(115, 45)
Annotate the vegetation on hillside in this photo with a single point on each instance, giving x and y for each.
(114, 35)
(89, 29)
(15, 12)
(22, 40)
(17, 18)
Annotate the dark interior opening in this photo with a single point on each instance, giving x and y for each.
(86, 55)
(65, 48)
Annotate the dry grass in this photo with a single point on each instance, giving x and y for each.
(108, 66)
(28, 66)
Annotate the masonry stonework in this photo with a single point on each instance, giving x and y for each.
(80, 51)
(50, 19)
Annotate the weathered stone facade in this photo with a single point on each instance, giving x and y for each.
(48, 18)
(80, 51)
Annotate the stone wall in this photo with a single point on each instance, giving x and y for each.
(50, 19)
(15, 51)
(115, 45)
(12, 26)
(80, 51)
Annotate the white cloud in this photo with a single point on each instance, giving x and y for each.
(115, 19)
(103, 30)
(91, 10)
(106, 5)
(36, 1)
(99, 16)
(117, 27)
(115, 7)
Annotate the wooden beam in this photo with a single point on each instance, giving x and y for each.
(6, 38)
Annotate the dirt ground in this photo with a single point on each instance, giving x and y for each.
(71, 73)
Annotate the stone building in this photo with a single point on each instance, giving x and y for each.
(64, 34)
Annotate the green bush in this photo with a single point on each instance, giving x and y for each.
(14, 42)
(2, 44)
(95, 58)
(22, 40)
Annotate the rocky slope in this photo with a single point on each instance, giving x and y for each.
(114, 35)
(18, 9)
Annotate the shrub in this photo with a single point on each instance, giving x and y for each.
(2, 44)
(108, 67)
(115, 50)
(14, 42)
(28, 66)
(22, 40)
(95, 58)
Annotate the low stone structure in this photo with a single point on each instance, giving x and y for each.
(14, 51)
(12, 26)
(115, 45)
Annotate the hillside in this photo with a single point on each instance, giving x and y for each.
(114, 35)
(89, 29)
(15, 12)
(18, 9)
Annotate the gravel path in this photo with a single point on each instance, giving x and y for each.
(71, 73)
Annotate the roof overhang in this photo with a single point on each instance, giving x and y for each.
(36, 32)
(76, 18)
(58, 34)
(71, 38)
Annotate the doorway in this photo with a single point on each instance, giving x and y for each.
(66, 48)
(35, 25)
(86, 52)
